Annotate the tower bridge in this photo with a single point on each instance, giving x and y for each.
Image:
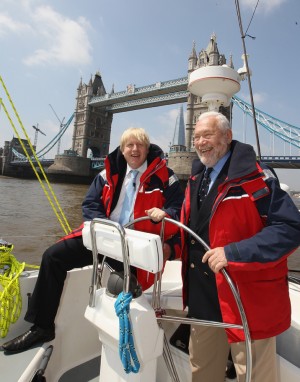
(135, 98)
(95, 108)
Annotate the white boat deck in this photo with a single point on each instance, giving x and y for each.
(77, 349)
(76, 341)
(18, 367)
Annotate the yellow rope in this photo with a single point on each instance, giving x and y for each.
(10, 268)
(62, 218)
(10, 294)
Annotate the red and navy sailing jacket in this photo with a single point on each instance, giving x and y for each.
(159, 187)
(258, 225)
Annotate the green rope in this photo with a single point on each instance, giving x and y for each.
(10, 294)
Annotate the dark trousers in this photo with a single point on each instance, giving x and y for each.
(56, 262)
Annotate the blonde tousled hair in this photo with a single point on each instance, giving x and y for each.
(136, 132)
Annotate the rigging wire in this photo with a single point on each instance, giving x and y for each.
(237, 5)
(251, 21)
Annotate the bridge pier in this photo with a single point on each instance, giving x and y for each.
(70, 164)
(71, 168)
(181, 163)
(17, 170)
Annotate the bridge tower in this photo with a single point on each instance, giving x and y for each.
(92, 126)
(181, 161)
(206, 57)
(91, 134)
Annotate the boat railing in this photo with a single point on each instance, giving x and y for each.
(157, 287)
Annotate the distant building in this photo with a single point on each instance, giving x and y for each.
(13, 150)
(12, 154)
(178, 142)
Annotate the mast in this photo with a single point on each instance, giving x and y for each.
(237, 5)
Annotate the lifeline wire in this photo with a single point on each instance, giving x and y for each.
(61, 218)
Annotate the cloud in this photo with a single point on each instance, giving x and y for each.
(65, 41)
(168, 118)
(263, 6)
(259, 98)
(7, 25)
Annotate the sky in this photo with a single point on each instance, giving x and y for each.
(47, 47)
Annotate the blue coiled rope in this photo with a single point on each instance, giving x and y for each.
(126, 344)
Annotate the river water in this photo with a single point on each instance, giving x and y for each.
(27, 219)
(29, 223)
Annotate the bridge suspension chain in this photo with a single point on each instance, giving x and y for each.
(57, 137)
(49, 145)
(283, 130)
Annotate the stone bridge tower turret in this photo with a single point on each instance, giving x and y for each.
(92, 126)
(91, 134)
(181, 161)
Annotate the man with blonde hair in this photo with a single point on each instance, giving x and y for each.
(136, 164)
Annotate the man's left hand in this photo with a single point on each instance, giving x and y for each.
(216, 259)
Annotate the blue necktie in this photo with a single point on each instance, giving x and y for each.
(205, 184)
(128, 201)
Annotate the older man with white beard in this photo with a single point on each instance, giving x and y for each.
(237, 206)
